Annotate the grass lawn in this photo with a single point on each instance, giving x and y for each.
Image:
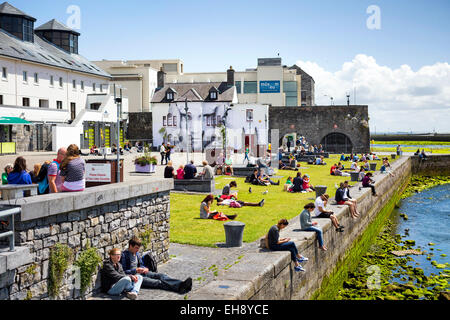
(186, 227)
(406, 146)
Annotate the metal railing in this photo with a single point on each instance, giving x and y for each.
(9, 214)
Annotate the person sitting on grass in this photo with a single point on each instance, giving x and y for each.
(284, 244)
(319, 161)
(320, 212)
(265, 180)
(232, 203)
(368, 182)
(226, 191)
(333, 169)
(297, 183)
(206, 213)
(306, 224)
(343, 197)
(366, 165)
(306, 185)
(282, 166)
(288, 184)
(115, 281)
(354, 166)
(253, 178)
(342, 158)
(133, 264)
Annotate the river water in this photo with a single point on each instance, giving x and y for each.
(428, 222)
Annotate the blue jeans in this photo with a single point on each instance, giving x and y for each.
(287, 246)
(127, 285)
(152, 280)
(318, 232)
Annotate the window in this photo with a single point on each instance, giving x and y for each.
(36, 77)
(101, 88)
(1, 99)
(59, 105)
(169, 95)
(73, 110)
(26, 102)
(74, 84)
(43, 103)
(249, 115)
(60, 82)
(82, 85)
(213, 121)
(95, 106)
(93, 87)
(250, 87)
(164, 121)
(25, 76)
(52, 82)
(4, 73)
(174, 121)
(208, 121)
(219, 120)
(169, 120)
(213, 95)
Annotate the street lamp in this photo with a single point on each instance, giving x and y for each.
(186, 109)
(348, 99)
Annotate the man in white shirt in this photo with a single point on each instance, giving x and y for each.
(162, 151)
(320, 212)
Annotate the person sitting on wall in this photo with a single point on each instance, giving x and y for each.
(220, 161)
(133, 264)
(386, 167)
(190, 170)
(275, 243)
(310, 150)
(307, 224)
(366, 165)
(169, 171)
(228, 167)
(362, 174)
(93, 150)
(417, 152)
(19, 174)
(320, 212)
(343, 197)
(368, 182)
(206, 213)
(302, 151)
(8, 169)
(423, 156)
(115, 281)
(207, 173)
(180, 172)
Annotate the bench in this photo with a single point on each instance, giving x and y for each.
(17, 191)
(194, 185)
(243, 171)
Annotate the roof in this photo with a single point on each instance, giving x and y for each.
(55, 25)
(43, 52)
(6, 8)
(301, 72)
(197, 91)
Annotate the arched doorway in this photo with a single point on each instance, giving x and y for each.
(337, 143)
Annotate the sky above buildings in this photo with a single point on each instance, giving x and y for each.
(390, 55)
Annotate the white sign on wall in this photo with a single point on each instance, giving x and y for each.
(98, 172)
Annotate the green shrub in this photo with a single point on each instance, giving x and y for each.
(60, 258)
(87, 261)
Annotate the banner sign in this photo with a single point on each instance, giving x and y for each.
(269, 87)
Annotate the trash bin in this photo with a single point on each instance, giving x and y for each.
(354, 176)
(373, 166)
(320, 190)
(393, 156)
(234, 231)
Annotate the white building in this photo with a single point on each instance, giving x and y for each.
(190, 116)
(45, 81)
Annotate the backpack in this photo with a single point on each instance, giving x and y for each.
(43, 183)
(149, 262)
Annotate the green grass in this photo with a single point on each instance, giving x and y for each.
(418, 143)
(186, 227)
(405, 148)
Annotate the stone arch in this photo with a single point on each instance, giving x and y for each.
(337, 142)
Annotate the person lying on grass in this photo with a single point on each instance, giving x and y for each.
(237, 203)
(206, 213)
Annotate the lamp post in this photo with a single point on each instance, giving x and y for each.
(118, 102)
(186, 109)
(348, 99)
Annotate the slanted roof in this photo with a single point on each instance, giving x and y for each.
(43, 52)
(55, 25)
(6, 8)
(197, 91)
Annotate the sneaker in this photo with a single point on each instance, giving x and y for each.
(250, 190)
(299, 268)
(302, 259)
(132, 295)
(261, 203)
(340, 229)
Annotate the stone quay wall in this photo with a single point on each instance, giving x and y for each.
(270, 275)
(106, 216)
(434, 165)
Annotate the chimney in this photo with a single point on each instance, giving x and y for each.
(230, 77)
(161, 78)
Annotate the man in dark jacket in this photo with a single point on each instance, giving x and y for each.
(132, 263)
(190, 170)
(298, 183)
(115, 281)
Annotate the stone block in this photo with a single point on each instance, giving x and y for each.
(60, 203)
(50, 241)
(2, 264)
(85, 199)
(41, 232)
(20, 257)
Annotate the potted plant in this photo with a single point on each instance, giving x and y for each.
(145, 163)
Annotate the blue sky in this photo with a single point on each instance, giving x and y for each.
(210, 35)
(401, 71)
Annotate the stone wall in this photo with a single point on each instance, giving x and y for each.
(106, 216)
(316, 122)
(434, 165)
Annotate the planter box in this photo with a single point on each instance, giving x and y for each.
(149, 168)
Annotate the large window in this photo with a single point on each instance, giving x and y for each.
(238, 86)
(290, 92)
(250, 87)
(63, 39)
(17, 26)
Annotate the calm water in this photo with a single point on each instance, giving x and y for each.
(428, 221)
(411, 146)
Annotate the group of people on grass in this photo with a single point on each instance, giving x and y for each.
(125, 272)
(299, 184)
(65, 173)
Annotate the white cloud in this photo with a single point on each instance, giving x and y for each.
(399, 99)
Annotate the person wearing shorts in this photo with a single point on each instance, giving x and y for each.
(320, 212)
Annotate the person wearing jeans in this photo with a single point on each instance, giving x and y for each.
(132, 263)
(368, 182)
(114, 280)
(307, 225)
(284, 244)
